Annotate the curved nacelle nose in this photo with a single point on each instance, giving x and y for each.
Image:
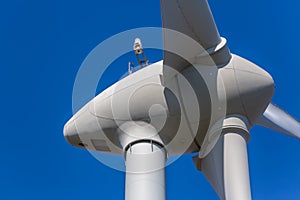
(249, 88)
(80, 127)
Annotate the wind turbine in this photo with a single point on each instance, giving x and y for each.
(200, 98)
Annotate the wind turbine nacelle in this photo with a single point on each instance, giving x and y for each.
(177, 105)
(140, 96)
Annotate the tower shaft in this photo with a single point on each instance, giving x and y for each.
(145, 171)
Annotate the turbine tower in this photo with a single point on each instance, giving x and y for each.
(200, 98)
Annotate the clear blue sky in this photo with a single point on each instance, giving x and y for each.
(43, 44)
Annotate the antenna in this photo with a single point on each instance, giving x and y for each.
(130, 67)
(138, 49)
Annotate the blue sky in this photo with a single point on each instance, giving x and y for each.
(43, 44)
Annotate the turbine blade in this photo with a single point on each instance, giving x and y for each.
(194, 20)
(278, 120)
(226, 167)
